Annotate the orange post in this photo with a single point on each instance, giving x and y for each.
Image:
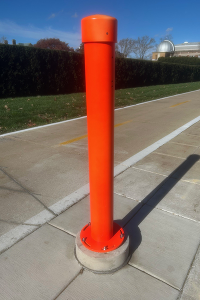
(99, 35)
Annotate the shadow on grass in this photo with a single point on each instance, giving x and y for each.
(164, 188)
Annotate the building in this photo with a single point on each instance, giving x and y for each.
(168, 49)
(25, 44)
(19, 44)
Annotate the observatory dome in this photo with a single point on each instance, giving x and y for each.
(165, 46)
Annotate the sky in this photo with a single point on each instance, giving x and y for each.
(29, 21)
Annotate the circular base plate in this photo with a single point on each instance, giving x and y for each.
(112, 244)
(107, 262)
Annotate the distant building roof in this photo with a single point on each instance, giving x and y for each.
(24, 44)
(188, 46)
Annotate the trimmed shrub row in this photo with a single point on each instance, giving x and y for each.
(27, 71)
(134, 73)
(192, 61)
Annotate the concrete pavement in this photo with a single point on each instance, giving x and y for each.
(45, 202)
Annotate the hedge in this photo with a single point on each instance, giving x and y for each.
(192, 61)
(27, 71)
(134, 73)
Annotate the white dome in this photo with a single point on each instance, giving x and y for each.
(165, 46)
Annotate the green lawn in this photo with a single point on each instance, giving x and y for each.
(25, 112)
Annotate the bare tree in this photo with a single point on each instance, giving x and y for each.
(142, 46)
(125, 46)
(53, 44)
(119, 54)
(3, 40)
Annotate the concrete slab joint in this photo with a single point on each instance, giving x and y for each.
(108, 262)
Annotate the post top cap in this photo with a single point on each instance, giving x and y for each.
(98, 16)
(99, 28)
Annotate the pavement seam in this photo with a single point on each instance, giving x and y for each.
(16, 223)
(183, 144)
(27, 191)
(125, 196)
(155, 277)
(170, 212)
(164, 154)
(196, 149)
(21, 238)
(27, 231)
(121, 171)
(192, 134)
(14, 190)
(184, 180)
(188, 181)
(160, 153)
(74, 278)
(71, 199)
(173, 213)
(59, 228)
(188, 273)
(149, 171)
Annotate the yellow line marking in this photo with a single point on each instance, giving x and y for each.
(123, 123)
(74, 140)
(179, 103)
(84, 136)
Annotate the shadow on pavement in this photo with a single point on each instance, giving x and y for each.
(166, 185)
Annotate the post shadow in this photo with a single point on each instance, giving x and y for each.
(166, 185)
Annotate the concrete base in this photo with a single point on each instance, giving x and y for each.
(107, 262)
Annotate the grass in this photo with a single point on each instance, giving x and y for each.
(25, 112)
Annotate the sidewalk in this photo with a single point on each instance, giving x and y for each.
(157, 202)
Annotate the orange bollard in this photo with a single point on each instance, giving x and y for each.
(99, 35)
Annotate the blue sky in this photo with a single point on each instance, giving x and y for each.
(29, 21)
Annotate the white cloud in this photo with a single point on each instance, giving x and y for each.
(15, 31)
(52, 16)
(169, 29)
(75, 15)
